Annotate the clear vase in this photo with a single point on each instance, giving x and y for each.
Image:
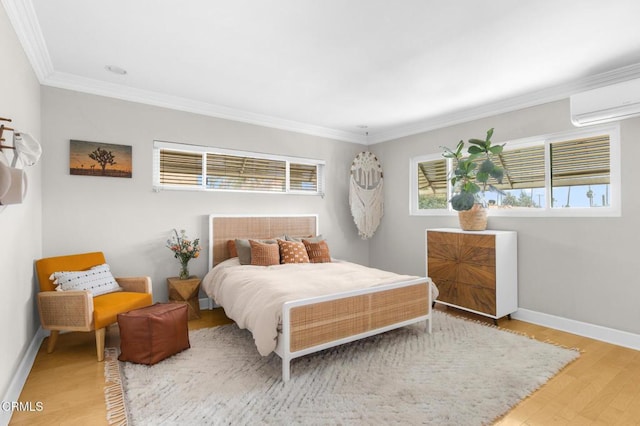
(184, 270)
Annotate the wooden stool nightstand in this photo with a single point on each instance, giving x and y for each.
(185, 291)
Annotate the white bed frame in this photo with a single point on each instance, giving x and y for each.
(284, 343)
(314, 324)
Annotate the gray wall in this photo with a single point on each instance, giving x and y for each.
(130, 223)
(585, 269)
(20, 224)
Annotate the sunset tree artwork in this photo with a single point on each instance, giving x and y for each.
(99, 159)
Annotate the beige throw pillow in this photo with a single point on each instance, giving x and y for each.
(98, 280)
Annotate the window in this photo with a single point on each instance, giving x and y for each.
(181, 166)
(432, 185)
(584, 166)
(571, 174)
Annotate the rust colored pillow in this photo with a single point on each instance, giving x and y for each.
(231, 246)
(318, 251)
(292, 252)
(264, 254)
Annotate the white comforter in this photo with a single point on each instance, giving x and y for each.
(253, 295)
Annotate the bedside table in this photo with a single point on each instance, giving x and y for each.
(186, 292)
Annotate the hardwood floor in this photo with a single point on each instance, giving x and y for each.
(602, 387)
(70, 381)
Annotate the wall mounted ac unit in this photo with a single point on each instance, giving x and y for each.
(610, 103)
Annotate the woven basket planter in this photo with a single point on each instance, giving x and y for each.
(474, 219)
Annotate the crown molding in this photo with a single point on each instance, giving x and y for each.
(118, 91)
(543, 96)
(22, 15)
(25, 23)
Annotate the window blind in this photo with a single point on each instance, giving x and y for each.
(245, 173)
(581, 162)
(183, 166)
(180, 168)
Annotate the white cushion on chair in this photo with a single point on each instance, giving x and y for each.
(98, 280)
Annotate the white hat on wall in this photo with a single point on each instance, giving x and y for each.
(27, 147)
(5, 179)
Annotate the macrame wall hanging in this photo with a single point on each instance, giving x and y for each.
(365, 193)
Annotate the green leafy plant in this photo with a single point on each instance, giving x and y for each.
(470, 181)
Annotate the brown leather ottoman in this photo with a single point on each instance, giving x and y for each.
(149, 335)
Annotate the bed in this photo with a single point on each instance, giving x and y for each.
(306, 320)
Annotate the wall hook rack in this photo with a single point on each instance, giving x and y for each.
(13, 179)
(2, 129)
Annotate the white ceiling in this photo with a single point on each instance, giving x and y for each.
(328, 67)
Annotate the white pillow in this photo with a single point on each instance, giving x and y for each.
(98, 280)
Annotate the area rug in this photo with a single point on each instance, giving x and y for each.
(464, 373)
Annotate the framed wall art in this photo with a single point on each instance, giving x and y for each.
(99, 159)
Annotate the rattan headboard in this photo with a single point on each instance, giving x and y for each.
(228, 227)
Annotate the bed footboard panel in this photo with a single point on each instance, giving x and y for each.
(319, 323)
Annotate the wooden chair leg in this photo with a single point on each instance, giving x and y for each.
(53, 339)
(100, 334)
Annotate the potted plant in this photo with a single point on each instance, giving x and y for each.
(472, 171)
(184, 250)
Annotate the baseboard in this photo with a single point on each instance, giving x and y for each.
(21, 374)
(592, 331)
(205, 303)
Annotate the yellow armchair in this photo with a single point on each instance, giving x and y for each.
(79, 310)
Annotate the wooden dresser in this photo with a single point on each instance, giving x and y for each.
(474, 270)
